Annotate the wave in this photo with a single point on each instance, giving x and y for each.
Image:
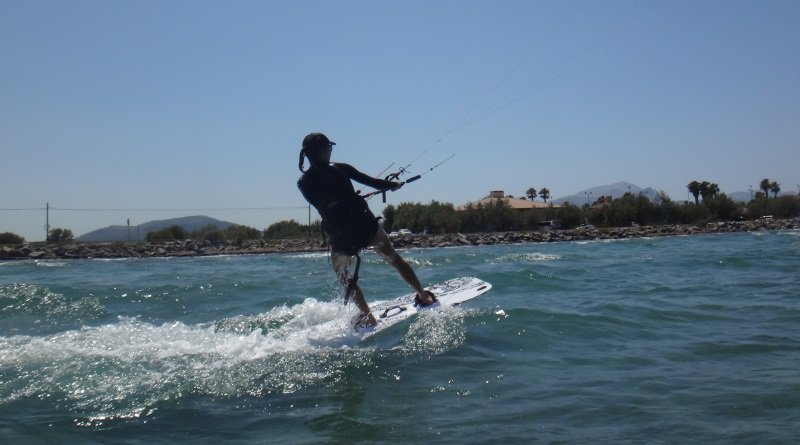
(312, 255)
(531, 257)
(46, 306)
(124, 369)
(613, 240)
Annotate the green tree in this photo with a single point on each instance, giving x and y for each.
(766, 186)
(11, 238)
(471, 218)
(693, 214)
(58, 235)
(494, 216)
(780, 207)
(569, 215)
(713, 190)
(544, 193)
(500, 216)
(215, 237)
(708, 190)
(440, 218)
(531, 193)
(435, 217)
(171, 233)
(774, 187)
(389, 213)
(704, 190)
(665, 211)
(290, 229)
(211, 234)
(785, 206)
(240, 234)
(722, 207)
(695, 188)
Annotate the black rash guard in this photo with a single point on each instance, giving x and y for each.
(346, 216)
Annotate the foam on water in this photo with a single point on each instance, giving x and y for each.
(309, 255)
(526, 257)
(48, 308)
(123, 369)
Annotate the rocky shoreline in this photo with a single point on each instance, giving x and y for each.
(190, 248)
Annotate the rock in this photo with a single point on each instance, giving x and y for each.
(192, 248)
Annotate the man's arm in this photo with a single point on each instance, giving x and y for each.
(365, 179)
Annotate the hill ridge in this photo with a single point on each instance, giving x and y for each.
(140, 231)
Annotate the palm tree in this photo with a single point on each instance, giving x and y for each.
(713, 190)
(704, 190)
(774, 187)
(766, 186)
(694, 189)
(544, 193)
(531, 193)
(708, 190)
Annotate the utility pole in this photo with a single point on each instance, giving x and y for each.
(129, 230)
(47, 223)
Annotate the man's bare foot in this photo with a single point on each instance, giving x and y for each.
(367, 320)
(425, 299)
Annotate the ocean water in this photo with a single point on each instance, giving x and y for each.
(666, 340)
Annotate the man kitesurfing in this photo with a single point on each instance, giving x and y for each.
(348, 221)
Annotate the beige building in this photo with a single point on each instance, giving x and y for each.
(514, 203)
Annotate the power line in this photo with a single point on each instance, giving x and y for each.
(196, 209)
(206, 209)
(555, 71)
(22, 210)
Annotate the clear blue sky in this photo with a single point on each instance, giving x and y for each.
(119, 108)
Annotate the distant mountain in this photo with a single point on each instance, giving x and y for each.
(616, 190)
(746, 196)
(139, 233)
(740, 196)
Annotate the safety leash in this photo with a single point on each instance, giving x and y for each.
(351, 285)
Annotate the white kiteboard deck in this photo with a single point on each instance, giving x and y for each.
(449, 293)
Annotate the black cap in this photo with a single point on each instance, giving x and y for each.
(316, 141)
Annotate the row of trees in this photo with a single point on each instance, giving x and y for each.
(293, 229)
(544, 193)
(769, 186)
(11, 238)
(630, 209)
(210, 234)
(56, 235)
(710, 190)
(437, 217)
(705, 189)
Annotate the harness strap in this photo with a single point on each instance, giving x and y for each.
(351, 285)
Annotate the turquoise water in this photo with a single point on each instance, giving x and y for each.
(668, 340)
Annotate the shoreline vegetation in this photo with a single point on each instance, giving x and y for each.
(192, 248)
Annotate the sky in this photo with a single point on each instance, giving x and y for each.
(141, 110)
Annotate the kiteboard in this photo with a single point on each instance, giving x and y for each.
(448, 293)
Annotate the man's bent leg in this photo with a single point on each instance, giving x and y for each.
(361, 302)
(386, 250)
(340, 264)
